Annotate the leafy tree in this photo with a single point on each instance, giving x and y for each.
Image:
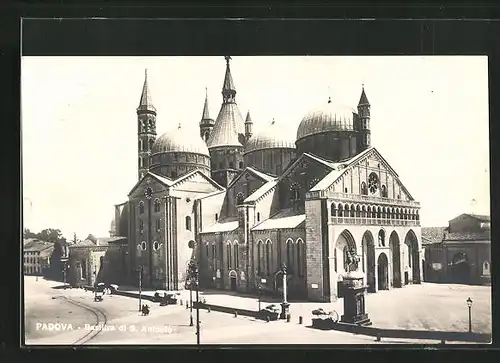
(92, 238)
(75, 239)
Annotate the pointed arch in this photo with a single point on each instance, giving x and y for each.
(363, 211)
(411, 242)
(358, 211)
(301, 261)
(368, 260)
(236, 254)
(333, 210)
(259, 256)
(229, 254)
(345, 243)
(352, 211)
(269, 252)
(395, 252)
(341, 210)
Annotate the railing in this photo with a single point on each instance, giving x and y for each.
(361, 198)
(374, 221)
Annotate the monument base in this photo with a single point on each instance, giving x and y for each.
(362, 319)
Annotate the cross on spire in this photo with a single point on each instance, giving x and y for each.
(227, 58)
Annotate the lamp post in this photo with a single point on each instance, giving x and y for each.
(139, 270)
(284, 305)
(262, 281)
(469, 304)
(193, 280)
(95, 283)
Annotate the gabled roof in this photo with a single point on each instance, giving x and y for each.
(259, 193)
(315, 158)
(191, 174)
(165, 181)
(226, 225)
(37, 246)
(479, 217)
(263, 176)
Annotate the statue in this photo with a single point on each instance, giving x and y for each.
(352, 260)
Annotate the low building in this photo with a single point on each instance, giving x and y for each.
(463, 255)
(36, 256)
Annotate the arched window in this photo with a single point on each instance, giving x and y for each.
(486, 268)
(229, 259)
(188, 223)
(258, 217)
(141, 226)
(156, 246)
(295, 192)
(241, 164)
(158, 225)
(384, 191)
(268, 257)
(140, 145)
(353, 210)
(157, 205)
(289, 252)
(216, 217)
(341, 210)
(143, 246)
(151, 143)
(300, 257)
(141, 207)
(381, 238)
(140, 162)
(236, 256)
(239, 198)
(364, 189)
(259, 262)
(207, 251)
(333, 210)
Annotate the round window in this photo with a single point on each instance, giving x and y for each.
(143, 246)
(156, 246)
(373, 183)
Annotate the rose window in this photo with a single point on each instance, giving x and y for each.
(373, 183)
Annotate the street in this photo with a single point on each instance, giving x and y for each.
(57, 316)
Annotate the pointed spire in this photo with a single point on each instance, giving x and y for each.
(363, 100)
(206, 114)
(228, 89)
(146, 104)
(248, 119)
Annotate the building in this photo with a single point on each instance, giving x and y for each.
(243, 204)
(463, 254)
(36, 256)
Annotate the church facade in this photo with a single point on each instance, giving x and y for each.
(244, 204)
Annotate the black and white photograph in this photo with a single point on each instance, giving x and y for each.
(239, 199)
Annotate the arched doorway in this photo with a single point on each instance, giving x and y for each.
(345, 245)
(383, 272)
(460, 268)
(232, 280)
(413, 256)
(368, 261)
(396, 259)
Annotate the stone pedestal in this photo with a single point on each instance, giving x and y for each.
(285, 310)
(354, 301)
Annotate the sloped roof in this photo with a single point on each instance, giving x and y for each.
(290, 166)
(37, 246)
(227, 225)
(84, 243)
(282, 220)
(432, 234)
(480, 217)
(258, 174)
(257, 194)
(228, 125)
(206, 114)
(363, 100)
(468, 236)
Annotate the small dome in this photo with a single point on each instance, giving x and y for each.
(180, 140)
(272, 136)
(328, 117)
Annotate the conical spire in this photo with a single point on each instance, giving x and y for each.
(228, 89)
(146, 104)
(248, 119)
(206, 115)
(363, 100)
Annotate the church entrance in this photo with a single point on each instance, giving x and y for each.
(460, 268)
(383, 272)
(413, 257)
(232, 279)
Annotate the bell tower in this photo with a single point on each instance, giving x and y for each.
(364, 141)
(207, 123)
(146, 128)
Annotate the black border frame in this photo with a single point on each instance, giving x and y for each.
(431, 32)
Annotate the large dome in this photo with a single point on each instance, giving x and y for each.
(327, 117)
(272, 136)
(180, 140)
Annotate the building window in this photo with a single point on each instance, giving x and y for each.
(141, 207)
(295, 192)
(157, 205)
(384, 191)
(364, 189)
(151, 142)
(258, 217)
(156, 245)
(236, 255)
(140, 145)
(239, 198)
(141, 226)
(158, 225)
(207, 251)
(259, 257)
(300, 257)
(268, 257)
(143, 246)
(373, 183)
(333, 210)
(216, 217)
(228, 248)
(381, 238)
(289, 253)
(486, 268)
(241, 164)
(140, 162)
(188, 223)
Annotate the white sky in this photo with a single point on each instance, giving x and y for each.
(79, 125)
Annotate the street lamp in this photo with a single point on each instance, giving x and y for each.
(95, 283)
(140, 269)
(469, 304)
(284, 305)
(193, 281)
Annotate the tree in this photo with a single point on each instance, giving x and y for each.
(28, 234)
(75, 240)
(92, 238)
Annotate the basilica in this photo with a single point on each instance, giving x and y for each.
(243, 205)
